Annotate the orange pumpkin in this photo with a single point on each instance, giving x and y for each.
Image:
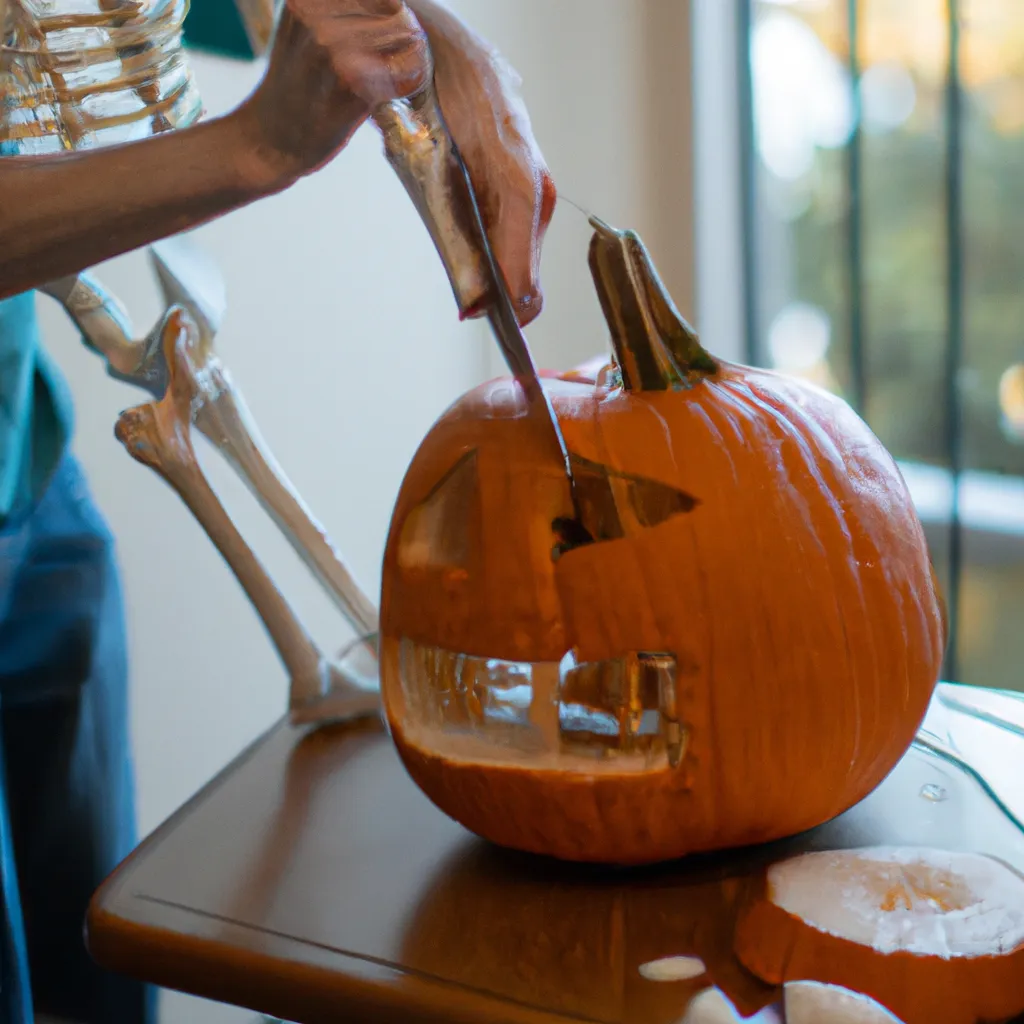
(738, 644)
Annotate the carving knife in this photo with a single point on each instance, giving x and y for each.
(422, 152)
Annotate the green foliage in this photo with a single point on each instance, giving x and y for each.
(905, 285)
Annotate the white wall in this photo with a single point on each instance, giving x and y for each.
(342, 334)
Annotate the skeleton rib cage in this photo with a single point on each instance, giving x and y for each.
(82, 73)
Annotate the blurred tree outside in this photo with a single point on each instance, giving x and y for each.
(805, 111)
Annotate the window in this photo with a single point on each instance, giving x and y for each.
(881, 152)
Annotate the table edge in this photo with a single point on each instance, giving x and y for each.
(120, 938)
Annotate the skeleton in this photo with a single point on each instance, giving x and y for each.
(177, 364)
(190, 387)
(79, 73)
(75, 74)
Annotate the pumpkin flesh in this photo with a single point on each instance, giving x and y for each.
(930, 934)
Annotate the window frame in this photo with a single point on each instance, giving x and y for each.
(988, 507)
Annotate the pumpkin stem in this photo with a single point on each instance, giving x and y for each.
(655, 347)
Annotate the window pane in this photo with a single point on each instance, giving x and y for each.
(992, 388)
(991, 613)
(903, 48)
(803, 116)
(830, 127)
(993, 77)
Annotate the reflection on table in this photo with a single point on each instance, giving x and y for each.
(312, 878)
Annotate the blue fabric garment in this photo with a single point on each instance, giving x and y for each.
(66, 802)
(216, 27)
(35, 408)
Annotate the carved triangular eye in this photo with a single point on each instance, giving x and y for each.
(438, 531)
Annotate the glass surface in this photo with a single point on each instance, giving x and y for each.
(850, 219)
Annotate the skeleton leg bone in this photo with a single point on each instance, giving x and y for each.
(192, 285)
(224, 418)
(158, 434)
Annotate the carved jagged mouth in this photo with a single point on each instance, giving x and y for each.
(623, 713)
(610, 502)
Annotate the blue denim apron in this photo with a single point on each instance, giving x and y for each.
(66, 788)
(66, 802)
(67, 807)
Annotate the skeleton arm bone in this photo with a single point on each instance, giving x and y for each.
(225, 420)
(107, 330)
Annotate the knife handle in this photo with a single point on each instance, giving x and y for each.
(420, 149)
(422, 152)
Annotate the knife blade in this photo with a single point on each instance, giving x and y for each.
(423, 153)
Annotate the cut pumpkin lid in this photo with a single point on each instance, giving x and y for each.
(929, 934)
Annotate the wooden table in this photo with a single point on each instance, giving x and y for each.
(312, 881)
